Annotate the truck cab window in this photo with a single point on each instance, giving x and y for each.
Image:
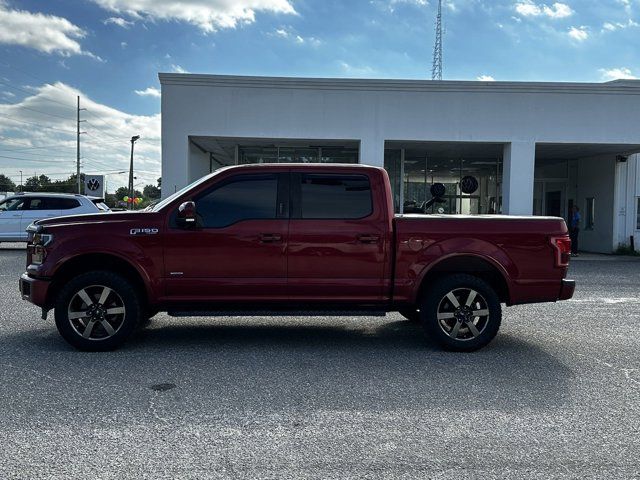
(335, 196)
(245, 197)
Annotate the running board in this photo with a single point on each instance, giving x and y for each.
(277, 313)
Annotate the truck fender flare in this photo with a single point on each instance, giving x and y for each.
(497, 259)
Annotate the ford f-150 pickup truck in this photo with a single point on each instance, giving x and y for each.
(282, 239)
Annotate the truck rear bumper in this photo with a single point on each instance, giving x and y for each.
(566, 290)
(34, 290)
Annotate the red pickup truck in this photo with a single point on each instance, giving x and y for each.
(284, 239)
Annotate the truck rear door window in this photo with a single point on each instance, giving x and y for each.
(335, 196)
(245, 197)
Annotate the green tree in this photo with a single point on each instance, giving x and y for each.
(151, 192)
(31, 184)
(37, 184)
(121, 192)
(6, 185)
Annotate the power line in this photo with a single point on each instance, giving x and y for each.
(35, 110)
(36, 124)
(38, 154)
(102, 132)
(34, 159)
(32, 94)
(52, 147)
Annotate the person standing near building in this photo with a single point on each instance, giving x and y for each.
(574, 229)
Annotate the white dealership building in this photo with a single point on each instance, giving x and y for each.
(532, 148)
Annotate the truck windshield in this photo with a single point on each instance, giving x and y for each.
(160, 205)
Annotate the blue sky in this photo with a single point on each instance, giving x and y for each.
(110, 51)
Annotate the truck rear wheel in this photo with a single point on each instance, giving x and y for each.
(461, 313)
(97, 311)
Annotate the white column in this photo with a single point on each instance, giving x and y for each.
(372, 152)
(517, 178)
(198, 163)
(620, 200)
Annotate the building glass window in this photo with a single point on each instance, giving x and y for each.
(471, 186)
(302, 154)
(590, 213)
(638, 215)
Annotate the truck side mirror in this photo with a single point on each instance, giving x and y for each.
(186, 215)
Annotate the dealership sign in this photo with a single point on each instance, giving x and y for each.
(94, 185)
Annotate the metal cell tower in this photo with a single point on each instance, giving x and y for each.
(436, 70)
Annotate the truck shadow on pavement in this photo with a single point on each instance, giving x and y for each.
(273, 366)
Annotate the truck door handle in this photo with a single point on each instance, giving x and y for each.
(365, 238)
(270, 237)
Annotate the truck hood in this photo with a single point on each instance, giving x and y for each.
(97, 218)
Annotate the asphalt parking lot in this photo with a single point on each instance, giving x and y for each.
(556, 395)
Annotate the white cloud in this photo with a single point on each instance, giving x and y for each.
(149, 92)
(613, 26)
(580, 34)
(621, 73)
(355, 71)
(281, 32)
(486, 78)
(178, 69)
(391, 5)
(420, 3)
(119, 21)
(528, 8)
(288, 34)
(208, 15)
(46, 33)
(105, 148)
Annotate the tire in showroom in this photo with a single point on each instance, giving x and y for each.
(98, 311)
(461, 313)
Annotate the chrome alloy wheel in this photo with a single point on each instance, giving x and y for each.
(96, 312)
(463, 314)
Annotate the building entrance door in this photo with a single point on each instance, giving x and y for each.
(553, 203)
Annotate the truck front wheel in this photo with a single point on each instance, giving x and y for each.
(97, 311)
(461, 313)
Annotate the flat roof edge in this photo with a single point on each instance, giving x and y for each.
(628, 87)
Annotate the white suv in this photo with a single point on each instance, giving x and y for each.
(19, 211)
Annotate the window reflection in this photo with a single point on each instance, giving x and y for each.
(413, 171)
(259, 154)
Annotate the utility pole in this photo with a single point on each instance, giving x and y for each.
(21, 189)
(133, 141)
(78, 133)
(436, 69)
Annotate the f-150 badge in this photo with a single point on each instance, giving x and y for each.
(143, 231)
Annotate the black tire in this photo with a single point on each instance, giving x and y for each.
(440, 315)
(121, 297)
(411, 314)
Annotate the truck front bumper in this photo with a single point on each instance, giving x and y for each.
(34, 290)
(566, 290)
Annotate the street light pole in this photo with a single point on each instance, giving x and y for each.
(21, 189)
(133, 141)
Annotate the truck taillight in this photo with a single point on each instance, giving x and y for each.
(562, 247)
